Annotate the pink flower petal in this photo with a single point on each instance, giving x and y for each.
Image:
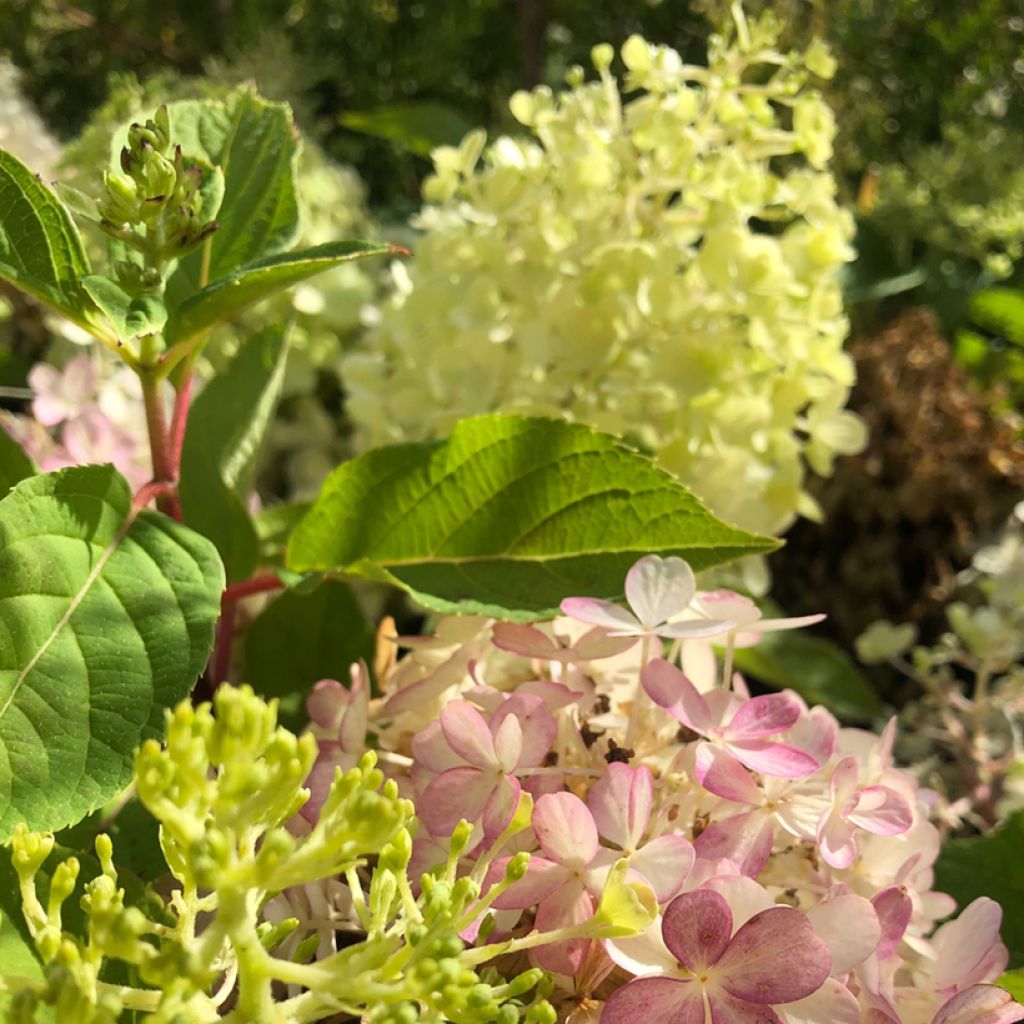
(793, 622)
(980, 1004)
(327, 703)
(658, 589)
(542, 878)
(569, 905)
(455, 794)
(775, 958)
(744, 839)
(836, 841)
(894, 909)
(565, 829)
(844, 779)
(833, 1003)
(601, 613)
(468, 734)
(508, 742)
(655, 1001)
(500, 806)
(727, 604)
(665, 863)
(596, 644)
(849, 926)
(671, 690)
(431, 751)
(726, 1009)
(526, 641)
(883, 811)
(696, 928)
(769, 758)
(764, 716)
(695, 629)
(963, 944)
(720, 773)
(538, 727)
(620, 802)
(352, 730)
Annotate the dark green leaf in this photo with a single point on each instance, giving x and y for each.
(15, 465)
(989, 865)
(226, 428)
(41, 252)
(815, 668)
(223, 300)
(302, 638)
(418, 127)
(108, 619)
(507, 517)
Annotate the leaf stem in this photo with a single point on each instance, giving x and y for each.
(220, 662)
(257, 585)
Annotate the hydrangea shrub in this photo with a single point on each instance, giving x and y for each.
(658, 257)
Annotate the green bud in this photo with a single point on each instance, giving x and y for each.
(396, 855)
(62, 885)
(30, 850)
(517, 867)
(272, 935)
(306, 949)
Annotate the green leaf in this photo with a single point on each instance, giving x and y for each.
(418, 127)
(225, 432)
(507, 517)
(1013, 982)
(41, 252)
(302, 638)
(130, 317)
(108, 619)
(989, 865)
(815, 668)
(1001, 310)
(223, 300)
(256, 147)
(15, 465)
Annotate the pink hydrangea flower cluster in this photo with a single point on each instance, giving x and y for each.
(789, 859)
(82, 416)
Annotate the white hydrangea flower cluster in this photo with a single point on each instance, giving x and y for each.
(22, 131)
(658, 259)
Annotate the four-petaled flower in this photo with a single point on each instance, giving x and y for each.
(657, 591)
(738, 728)
(477, 761)
(774, 958)
(877, 809)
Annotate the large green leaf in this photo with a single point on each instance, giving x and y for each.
(226, 429)
(990, 865)
(41, 252)
(15, 465)
(256, 145)
(302, 638)
(816, 669)
(507, 517)
(1013, 982)
(106, 618)
(223, 300)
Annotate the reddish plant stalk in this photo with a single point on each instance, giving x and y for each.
(179, 418)
(220, 661)
(257, 585)
(164, 468)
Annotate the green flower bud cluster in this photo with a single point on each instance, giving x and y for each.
(223, 786)
(658, 258)
(154, 203)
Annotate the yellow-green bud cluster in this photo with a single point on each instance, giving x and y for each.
(154, 202)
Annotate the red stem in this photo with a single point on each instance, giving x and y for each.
(179, 418)
(220, 663)
(257, 585)
(164, 470)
